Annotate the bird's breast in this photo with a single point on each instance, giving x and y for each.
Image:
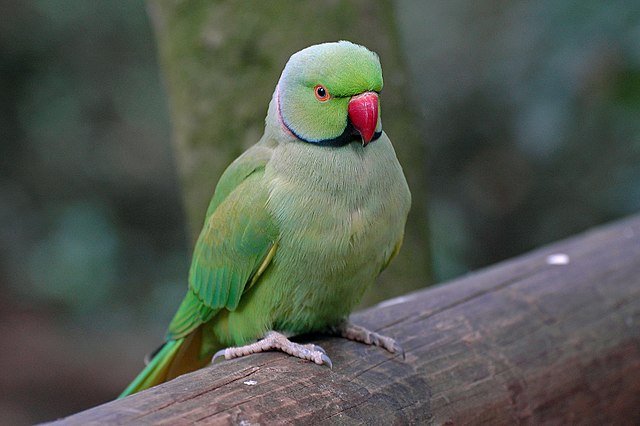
(340, 213)
(346, 206)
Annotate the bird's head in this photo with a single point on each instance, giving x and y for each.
(328, 95)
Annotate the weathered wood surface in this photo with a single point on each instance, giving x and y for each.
(525, 341)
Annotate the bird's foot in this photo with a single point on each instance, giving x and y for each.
(360, 334)
(277, 341)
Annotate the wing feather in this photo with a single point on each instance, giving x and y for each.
(236, 244)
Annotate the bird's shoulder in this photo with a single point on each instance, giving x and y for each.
(248, 163)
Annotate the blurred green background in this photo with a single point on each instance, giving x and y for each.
(530, 114)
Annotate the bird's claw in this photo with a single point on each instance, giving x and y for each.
(398, 349)
(319, 348)
(326, 361)
(361, 334)
(218, 355)
(277, 341)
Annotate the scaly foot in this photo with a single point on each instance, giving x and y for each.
(277, 341)
(360, 334)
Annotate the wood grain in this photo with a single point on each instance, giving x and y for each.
(523, 342)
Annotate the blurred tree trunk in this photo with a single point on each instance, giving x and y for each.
(221, 62)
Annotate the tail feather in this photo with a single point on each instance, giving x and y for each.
(189, 357)
(156, 370)
(174, 358)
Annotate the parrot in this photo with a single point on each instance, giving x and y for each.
(299, 225)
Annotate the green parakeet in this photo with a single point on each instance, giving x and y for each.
(299, 225)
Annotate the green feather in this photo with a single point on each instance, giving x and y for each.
(154, 371)
(295, 231)
(228, 253)
(360, 72)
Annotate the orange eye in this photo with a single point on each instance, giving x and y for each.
(322, 94)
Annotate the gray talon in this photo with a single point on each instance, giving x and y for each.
(399, 349)
(218, 355)
(326, 360)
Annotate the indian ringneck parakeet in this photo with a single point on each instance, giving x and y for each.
(300, 225)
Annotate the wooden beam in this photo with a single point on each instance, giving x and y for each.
(550, 337)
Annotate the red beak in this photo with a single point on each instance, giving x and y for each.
(363, 113)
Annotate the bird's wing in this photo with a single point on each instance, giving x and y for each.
(236, 244)
(251, 161)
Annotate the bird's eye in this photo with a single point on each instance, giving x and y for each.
(322, 94)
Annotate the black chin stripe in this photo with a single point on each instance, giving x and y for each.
(350, 134)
